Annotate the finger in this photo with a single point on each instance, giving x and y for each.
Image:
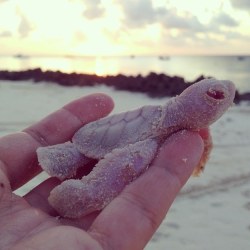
(57, 237)
(131, 219)
(5, 190)
(18, 151)
(38, 196)
(82, 223)
(61, 125)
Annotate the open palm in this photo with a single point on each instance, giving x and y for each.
(128, 222)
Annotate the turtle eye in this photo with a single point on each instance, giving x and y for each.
(216, 94)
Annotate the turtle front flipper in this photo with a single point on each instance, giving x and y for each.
(76, 198)
(61, 160)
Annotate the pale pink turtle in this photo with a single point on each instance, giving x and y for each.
(125, 144)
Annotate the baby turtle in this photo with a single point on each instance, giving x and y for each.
(125, 144)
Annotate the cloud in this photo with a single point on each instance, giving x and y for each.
(187, 22)
(93, 9)
(178, 29)
(190, 26)
(233, 35)
(24, 27)
(191, 32)
(5, 34)
(224, 19)
(139, 12)
(241, 4)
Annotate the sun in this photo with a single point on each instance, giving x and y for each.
(104, 67)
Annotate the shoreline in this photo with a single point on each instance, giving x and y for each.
(153, 84)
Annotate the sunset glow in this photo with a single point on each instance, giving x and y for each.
(112, 27)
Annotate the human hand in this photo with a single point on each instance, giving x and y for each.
(128, 222)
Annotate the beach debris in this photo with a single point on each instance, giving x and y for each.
(125, 144)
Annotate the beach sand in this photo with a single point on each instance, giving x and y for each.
(211, 212)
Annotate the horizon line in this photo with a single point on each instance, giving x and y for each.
(22, 55)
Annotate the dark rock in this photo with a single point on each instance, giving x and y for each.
(237, 97)
(245, 97)
(155, 85)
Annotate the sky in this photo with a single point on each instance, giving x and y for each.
(124, 27)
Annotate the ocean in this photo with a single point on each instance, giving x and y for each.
(234, 68)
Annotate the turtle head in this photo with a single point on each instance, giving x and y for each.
(207, 100)
(201, 104)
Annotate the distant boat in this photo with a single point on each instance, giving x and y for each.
(241, 58)
(70, 56)
(132, 56)
(164, 58)
(21, 56)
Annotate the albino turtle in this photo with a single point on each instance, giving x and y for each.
(126, 144)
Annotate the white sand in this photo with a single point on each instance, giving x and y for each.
(212, 212)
